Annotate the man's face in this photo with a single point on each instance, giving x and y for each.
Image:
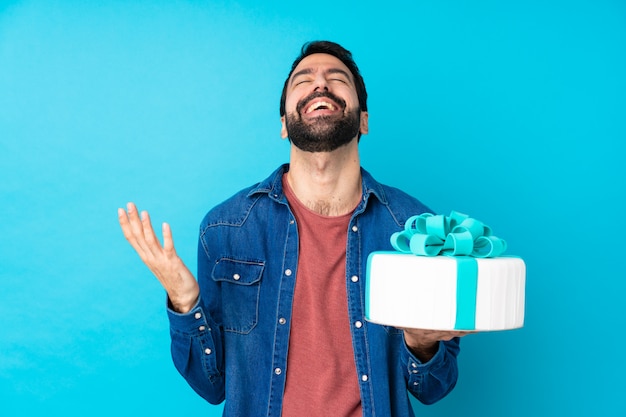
(321, 106)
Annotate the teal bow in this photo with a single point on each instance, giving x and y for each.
(455, 235)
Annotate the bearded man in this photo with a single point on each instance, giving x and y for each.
(274, 324)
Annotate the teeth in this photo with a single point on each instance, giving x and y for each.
(319, 104)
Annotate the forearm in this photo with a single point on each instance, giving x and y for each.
(196, 345)
(432, 380)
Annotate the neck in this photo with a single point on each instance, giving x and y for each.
(328, 183)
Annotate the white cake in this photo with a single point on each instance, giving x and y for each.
(406, 290)
(447, 273)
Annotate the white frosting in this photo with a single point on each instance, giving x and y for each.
(406, 290)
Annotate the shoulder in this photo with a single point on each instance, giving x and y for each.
(232, 211)
(235, 209)
(400, 204)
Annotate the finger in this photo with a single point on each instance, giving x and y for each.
(136, 227)
(152, 241)
(451, 335)
(133, 215)
(124, 221)
(122, 218)
(130, 234)
(168, 240)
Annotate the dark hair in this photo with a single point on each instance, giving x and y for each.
(339, 52)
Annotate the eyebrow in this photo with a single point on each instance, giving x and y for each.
(307, 71)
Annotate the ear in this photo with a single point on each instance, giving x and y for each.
(283, 128)
(364, 128)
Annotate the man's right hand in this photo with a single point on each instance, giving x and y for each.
(180, 284)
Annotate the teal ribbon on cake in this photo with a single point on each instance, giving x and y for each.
(456, 235)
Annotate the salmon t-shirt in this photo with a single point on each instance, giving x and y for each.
(321, 372)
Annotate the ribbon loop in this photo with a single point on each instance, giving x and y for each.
(459, 244)
(425, 245)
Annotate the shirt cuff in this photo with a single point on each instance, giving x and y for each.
(189, 322)
(415, 364)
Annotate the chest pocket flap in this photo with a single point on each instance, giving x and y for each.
(240, 288)
(237, 272)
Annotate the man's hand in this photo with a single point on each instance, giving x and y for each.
(180, 284)
(424, 343)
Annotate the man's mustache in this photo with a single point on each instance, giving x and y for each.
(317, 94)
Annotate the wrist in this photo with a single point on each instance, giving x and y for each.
(423, 352)
(183, 306)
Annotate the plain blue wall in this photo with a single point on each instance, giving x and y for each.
(513, 112)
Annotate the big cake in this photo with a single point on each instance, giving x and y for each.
(447, 273)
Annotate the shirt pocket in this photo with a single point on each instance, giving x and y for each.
(240, 287)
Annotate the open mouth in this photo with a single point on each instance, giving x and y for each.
(320, 104)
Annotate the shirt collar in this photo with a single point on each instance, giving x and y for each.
(273, 186)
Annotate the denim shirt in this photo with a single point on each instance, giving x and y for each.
(233, 344)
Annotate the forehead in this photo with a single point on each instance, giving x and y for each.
(320, 62)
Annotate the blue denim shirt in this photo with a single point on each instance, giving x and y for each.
(233, 344)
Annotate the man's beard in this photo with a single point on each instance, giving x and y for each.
(323, 133)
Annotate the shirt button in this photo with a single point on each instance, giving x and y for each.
(236, 277)
(358, 324)
(282, 320)
(354, 278)
(355, 229)
(364, 378)
(288, 272)
(202, 328)
(278, 371)
(198, 316)
(291, 221)
(207, 351)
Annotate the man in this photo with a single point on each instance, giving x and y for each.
(274, 324)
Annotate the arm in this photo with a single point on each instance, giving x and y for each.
(196, 341)
(431, 364)
(197, 352)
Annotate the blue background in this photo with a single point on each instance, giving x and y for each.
(513, 112)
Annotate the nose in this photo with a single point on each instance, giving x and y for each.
(320, 83)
